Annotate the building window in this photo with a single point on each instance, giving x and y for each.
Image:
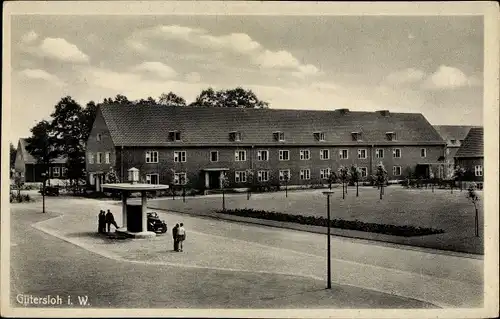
(151, 157)
(55, 171)
(91, 179)
(99, 158)
(174, 136)
(357, 136)
(279, 136)
(344, 154)
(396, 170)
(319, 136)
(90, 157)
(64, 171)
(98, 137)
(362, 153)
(423, 152)
(305, 174)
(152, 179)
(179, 156)
(284, 155)
(214, 156)
(324, 154)
(305, 155)
(447, 151)
(363, 171)
(262, 155)
(379, 153)
(107, 157)
(396, 152)
(235, 136)
(324, 173)
(391, 136)
(263, 176)
(478, 170)
(240, 176)
(284, 175)
(180, 178)
(240, 156)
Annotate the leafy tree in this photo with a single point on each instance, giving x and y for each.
(146, 102)
(171, 99)
(381, 177)
(332, 178)
(237, 97)
(355, 176)
(19, 182)
(87, 117)
(344, 177)
(286, 178)
(474, 198)
(12, 156)
(224, 183)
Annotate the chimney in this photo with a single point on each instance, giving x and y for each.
(342, 111)
(383, 112)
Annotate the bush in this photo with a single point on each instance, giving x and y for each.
(387, 229)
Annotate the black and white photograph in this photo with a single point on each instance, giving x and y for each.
(250, 159)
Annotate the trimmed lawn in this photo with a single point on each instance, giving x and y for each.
(420, 208)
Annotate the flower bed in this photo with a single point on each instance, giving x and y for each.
(394, 230)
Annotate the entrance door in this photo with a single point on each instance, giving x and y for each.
(213, 178)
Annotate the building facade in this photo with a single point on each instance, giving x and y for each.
(31, 171)
(470, 155)
(172, 145)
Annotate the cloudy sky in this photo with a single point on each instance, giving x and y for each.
(430, 65)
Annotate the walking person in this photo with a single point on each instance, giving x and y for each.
(174, 235)
(101, 225)
(110, 219)
(181, 235)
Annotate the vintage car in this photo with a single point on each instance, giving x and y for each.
(155, 224)
(50, 191)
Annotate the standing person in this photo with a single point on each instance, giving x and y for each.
(110, 219)
(174, 235)
(181, 234)
(102, 222)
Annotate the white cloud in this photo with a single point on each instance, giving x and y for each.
(158, 68)
(405, 76)
(193, 77)
(447, 77)
(277, 59)
(60, 49)
(29, 37)
(306, 70)
(39, 74)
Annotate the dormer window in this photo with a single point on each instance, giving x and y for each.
(174, 136)
(391, 136)
(453, 141)
(319, 136)
(235, 136)
(357, 136)
(279, 136)
(98, 137)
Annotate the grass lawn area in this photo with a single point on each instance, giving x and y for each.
(420, 208)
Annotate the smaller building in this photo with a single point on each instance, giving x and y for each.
(470, 155)
(31, 171)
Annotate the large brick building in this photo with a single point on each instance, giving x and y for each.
(170, 144)
(471, 155)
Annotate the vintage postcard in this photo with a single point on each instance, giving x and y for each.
(250, 159)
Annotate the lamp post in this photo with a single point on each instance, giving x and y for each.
(328, 193)
(44, 180)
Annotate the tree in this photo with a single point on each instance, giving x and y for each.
(343, 176)
(87, 118)
(250, 181)
(146, 102)
(171, 99)
(19, 182)
(224, 183)
(12, 157)
(381, 177)
(332, 178)
(286, 178)
(355, 176)
(237, 97)
(474, 198)
(458, 175)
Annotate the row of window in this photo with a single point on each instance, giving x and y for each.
(58, 171)
(284, 155)
(99, 158)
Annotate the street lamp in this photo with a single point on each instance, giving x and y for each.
(44, 180)
(328, 193)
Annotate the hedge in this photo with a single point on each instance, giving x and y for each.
(395, 230)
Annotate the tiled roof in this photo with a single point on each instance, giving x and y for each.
(29, 159)
(138, 125)
(453, 132)
(473, 145)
